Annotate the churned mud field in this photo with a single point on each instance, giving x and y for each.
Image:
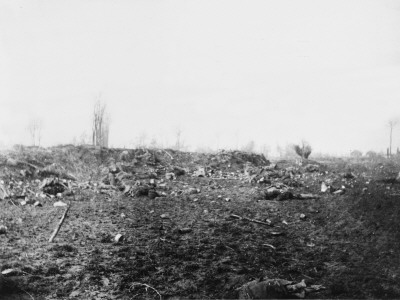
(162, 224)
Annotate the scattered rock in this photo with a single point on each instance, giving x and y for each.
(3, 229)
(75, 270)
(265, 289)
(285, 196)
(185, 230)
(11, 272)
(153, 194)
(349, 175)
(272, 193)
(119, 238)
(307, 196)
(4, 193)
(193, 191)
(178, 171)
(200, 172)
(170, 176)
(324, 187)
(338, 192)
(74, 294)
(311, 168)
(37, 203)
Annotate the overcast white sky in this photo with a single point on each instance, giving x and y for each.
(226, 72)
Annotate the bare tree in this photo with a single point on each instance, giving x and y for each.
(106, 130)
(84, 138)
(155, 143)
(141, 140)
(392, 123)
(249, 147)
(304, 150)
(178, 138)
(35, 131)
(265, 149)
(280, 150)
(101, 123)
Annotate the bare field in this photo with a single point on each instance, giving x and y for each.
(183, 241)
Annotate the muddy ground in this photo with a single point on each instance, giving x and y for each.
(181, 241)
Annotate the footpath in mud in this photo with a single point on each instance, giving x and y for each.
(162, 224)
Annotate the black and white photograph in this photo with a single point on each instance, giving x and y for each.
(198, 149)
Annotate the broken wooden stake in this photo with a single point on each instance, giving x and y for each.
(251, 220)
(59, 224)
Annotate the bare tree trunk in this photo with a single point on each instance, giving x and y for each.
(100, 130)
(390, 146)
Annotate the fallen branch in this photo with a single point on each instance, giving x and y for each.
(307, 196)
(59, 224)
(27, 293)
(270, 246)
(14, 163)
(146, 286)
(250, 220)
(60, 174)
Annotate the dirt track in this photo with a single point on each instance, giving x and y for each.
(187, 245)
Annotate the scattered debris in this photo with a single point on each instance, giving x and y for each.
(324, 187)
(307, 196)
(11, 272)
(118, 238)
(200, 172)
(286, 195)
(59, 204)
(349, 175)
(250, 220)
(3, 229)
(338, 192)
(178, 171)
(153, 194)
(185, 230)
(170, 176)
(140, 173)
(311, 168)
(3, 192)
(276, 289)
(272, 193)
(270, 246)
